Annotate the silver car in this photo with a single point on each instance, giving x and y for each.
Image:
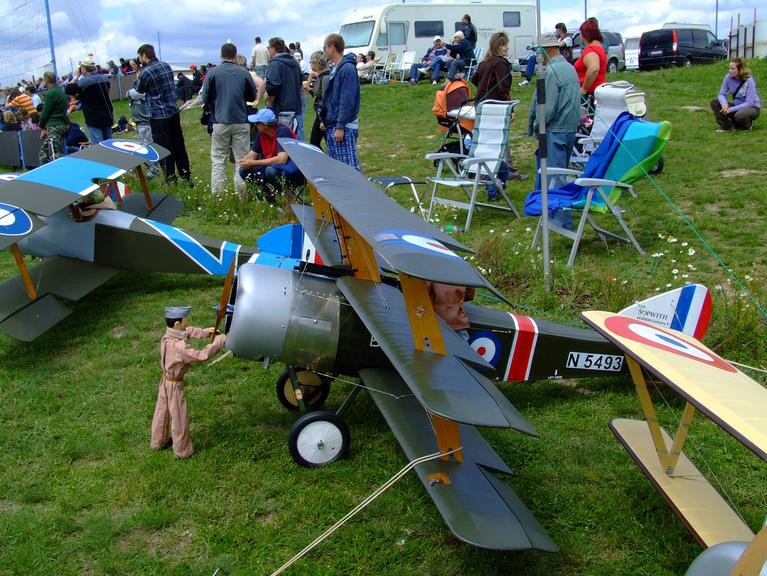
(616, 60)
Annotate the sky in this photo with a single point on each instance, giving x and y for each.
(192, 31)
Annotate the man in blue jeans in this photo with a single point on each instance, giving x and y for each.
(267, 162)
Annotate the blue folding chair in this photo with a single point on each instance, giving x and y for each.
(628, 152)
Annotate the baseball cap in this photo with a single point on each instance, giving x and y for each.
(437, 38)
(458, 34)
(263, 116)
(87, 62)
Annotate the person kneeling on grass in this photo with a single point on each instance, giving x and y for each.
(267, 162)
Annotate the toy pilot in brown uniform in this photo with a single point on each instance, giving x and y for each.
(176, 355)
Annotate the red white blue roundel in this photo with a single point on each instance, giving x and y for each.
(407, 239)
(487, 345)
(14, 221)
(136, 148)
(661, 339)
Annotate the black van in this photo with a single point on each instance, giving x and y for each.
(679, 47)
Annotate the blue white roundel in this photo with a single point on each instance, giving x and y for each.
(14, 221)
(406, 238)
(131, 146)
(487, 345)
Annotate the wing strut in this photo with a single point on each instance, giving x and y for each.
(144, 187)
(26, 279)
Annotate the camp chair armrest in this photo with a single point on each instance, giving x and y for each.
(552, 171)
(471, 161)
(444, 155)
(603, 182)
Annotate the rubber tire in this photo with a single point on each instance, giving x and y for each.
(315, 392)
(658, 168)
(687, 61)
(318, 438)
(612, 67)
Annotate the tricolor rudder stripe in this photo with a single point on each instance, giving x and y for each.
(522, 349)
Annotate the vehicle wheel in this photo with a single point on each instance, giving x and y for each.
(688, 61)
(658, 168)
(318, 438)
(315, 389)
(612, 66)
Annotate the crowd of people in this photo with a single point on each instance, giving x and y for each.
(235, 92)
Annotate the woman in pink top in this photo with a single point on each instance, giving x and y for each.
(592, 64)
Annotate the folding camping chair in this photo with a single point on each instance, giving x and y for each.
(627, 153)
(480, 168)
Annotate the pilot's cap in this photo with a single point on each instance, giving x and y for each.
(177, 312)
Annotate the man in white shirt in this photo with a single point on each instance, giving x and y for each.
(260, 58)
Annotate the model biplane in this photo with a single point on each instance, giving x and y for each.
(712, 386)
(367, 312)
(78, 256)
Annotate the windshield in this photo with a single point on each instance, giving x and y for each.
(357, 34)
(631, 43)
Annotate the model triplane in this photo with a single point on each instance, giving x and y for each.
(367, 312)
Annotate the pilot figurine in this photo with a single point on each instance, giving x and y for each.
(176, 355)
(448, 304)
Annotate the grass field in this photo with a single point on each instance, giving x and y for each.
(82, 493)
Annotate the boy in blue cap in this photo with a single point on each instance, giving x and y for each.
(176, 356)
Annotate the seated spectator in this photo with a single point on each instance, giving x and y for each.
(419, 69)
(11, 122)
(74, 137)
(366, 67)
(267, 162)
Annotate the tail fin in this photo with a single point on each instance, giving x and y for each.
(687, 309)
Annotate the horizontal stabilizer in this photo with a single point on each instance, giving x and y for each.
(444, 385)
(166, 207)
(728, 397)
(479, 508)
(34, 319)
(706, 514)
(323, 235)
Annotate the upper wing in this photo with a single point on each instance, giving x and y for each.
(727, 396)
(53, 186)
(345, 200)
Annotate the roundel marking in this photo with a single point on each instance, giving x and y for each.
(661, 339)
(133, 147)
(486, 345)
(429, 244)
(14, 221)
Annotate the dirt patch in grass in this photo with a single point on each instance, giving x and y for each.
(741, 172)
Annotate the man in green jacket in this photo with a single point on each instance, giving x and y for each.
(52, 118)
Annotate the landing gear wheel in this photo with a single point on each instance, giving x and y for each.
(658, 168)
(318, 438)
(315, 389)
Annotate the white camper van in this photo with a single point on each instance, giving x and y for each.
(397, 28)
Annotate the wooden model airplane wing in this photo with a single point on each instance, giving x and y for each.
(478, 507)
(403, 241)
(53, 186)
(446, 385)
(731, 399)
(54, 278)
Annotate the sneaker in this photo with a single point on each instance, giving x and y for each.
(723, 130)
(423, 70)
(433, 81)
(524, 83)
(514, 175)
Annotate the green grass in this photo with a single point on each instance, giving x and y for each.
(81, 493)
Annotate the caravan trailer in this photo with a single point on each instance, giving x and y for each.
(396, 28)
